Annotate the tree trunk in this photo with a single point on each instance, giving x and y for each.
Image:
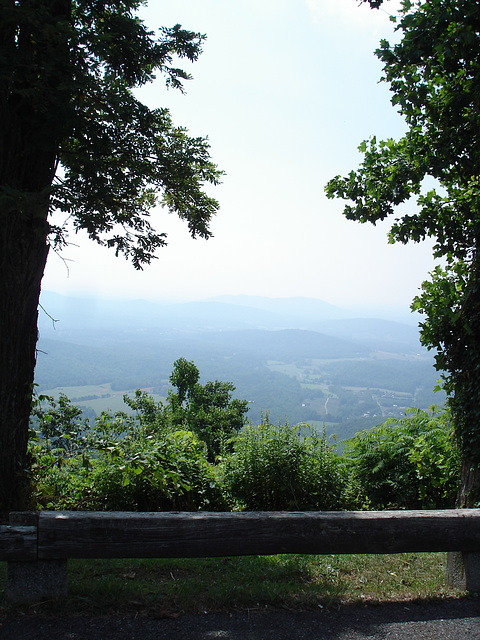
(27, 167)
(34, 97)
(468, 491)
(465, 402)
(23, 251)
(26, 174)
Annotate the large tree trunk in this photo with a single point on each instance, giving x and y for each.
(26, 174)
(23, 253)
(35, 88)
(27, 168)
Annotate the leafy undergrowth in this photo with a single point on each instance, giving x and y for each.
(166, 588)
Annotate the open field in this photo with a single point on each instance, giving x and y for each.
(98, 397)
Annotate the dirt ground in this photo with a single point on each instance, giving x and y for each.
(443, 620)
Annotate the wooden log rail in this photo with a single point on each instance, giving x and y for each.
(33, 538)
(84, 534)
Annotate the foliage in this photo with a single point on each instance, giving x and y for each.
(152, 460)
(155, 460)
(62, 426)
(408, 463)
(141, 472)
(76, 64)
(58, 449)
(79, 149)
(121, 463)
(143, 462)
(207, 410)
(434, 76)
(150, 415)
(275, 468)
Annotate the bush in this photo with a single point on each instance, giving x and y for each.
(148, 473)
(275, 468)
(147, 462)
(159, 459)
(121, 463)
(408, 463)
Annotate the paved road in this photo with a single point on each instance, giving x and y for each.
(448, 620)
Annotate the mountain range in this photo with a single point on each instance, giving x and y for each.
(286, 356)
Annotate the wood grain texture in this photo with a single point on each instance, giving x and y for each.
(168, 535)
(18, 543)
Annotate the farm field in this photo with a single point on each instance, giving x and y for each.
(99, 397)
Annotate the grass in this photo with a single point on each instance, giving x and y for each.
(113, 403)
(294, 582)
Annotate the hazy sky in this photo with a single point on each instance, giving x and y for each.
(285, 90)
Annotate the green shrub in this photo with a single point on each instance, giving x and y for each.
(410, 463)
(161, 458)
(148, 462)
(121, 463)
(275, 468)
(155, 474)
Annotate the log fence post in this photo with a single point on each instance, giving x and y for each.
(463, 570)
(34, 579)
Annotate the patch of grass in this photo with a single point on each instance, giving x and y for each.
(296, 582)
(114, 401)
(288, 369)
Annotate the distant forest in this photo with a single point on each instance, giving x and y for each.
(349, 373)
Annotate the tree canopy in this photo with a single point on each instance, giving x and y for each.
(72, 67)
(76, 139)
(208, 410)
(434, 170)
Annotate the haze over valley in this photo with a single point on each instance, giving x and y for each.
(297, 359)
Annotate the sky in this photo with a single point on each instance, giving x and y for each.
(285, 90)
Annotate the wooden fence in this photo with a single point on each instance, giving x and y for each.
(38, 545)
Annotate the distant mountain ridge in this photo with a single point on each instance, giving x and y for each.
(286, 356)
(81, 318)
(297, 307)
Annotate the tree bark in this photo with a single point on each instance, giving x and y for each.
(466, 398)
(26, 174)
(468, 491)
(25, 179)
(24, 252)
(33, 90)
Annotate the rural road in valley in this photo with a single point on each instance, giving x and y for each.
(443, 620)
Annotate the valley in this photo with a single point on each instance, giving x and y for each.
(347, 373)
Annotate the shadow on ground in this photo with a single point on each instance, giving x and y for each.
(455, 619)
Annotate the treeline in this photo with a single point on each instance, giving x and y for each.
(294, 390)
(197, 451)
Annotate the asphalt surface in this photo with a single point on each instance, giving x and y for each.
(445, 620)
